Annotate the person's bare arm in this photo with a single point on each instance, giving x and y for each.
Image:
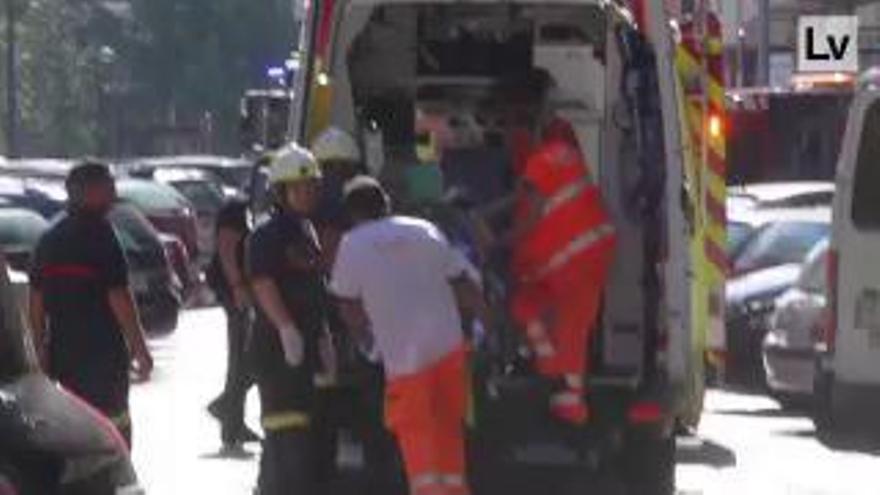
(499, 206)
(354, 316)
(536, 211)
(228, 240)
(356, 321)
(470, 298)
(37, 319)
(536, 203)
(122, 304)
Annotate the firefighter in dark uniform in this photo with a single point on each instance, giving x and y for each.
(85, 323)
(359, 404)
(225, 276)
(283, 264)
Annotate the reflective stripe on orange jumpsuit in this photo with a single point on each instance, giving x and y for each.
(561, 263)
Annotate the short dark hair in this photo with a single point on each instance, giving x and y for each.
(366, 198)
(85, 174)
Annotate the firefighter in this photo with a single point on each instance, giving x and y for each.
(340, 159)
(398, 282)
(226, 278)
(562, 245)
(82, 314)
(283, 265)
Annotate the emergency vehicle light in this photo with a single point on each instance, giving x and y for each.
(806, 81)
(715, 126)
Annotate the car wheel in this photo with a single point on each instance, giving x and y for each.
(791, 402)
(168, 324)
(648, 466)
(823, 411)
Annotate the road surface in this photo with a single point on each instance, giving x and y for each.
(746, 444)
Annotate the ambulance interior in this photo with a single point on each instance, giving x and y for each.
(419, 83)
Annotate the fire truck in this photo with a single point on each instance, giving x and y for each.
(644, 93)
(763, 145)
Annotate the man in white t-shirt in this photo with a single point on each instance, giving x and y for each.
(400, 284)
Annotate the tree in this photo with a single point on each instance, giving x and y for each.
(59, 78)
(198, 56)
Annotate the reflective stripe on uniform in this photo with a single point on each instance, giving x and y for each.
(567, 398)
(438, 484)
(456, 480)
(324, 381)
(285, 421)
(576, 247)
(566, 194)
(424, 480)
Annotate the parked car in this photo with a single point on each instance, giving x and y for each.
(744, 226)
(769, 264)
(155, 285)
(33, 194)
(233, 173)
(206, 196)
(847, 384)
(20, 229)
(157, 289)
(45, 168)
(794, 328)
(793, 194)
(52, 442)
(167, 210)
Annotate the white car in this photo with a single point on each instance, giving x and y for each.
(791, 194)
(848, 379)
(751, 206)
(789, 351)
(744, 226)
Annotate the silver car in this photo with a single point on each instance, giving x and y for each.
(794, 328)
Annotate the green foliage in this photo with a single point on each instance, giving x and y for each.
(180, 58)
(197, 56)
(58, 78)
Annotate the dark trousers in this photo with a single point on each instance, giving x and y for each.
(238, 374)
(287, 463)
(105, 388)
(293, 432)
(384, 465)
(360, 408)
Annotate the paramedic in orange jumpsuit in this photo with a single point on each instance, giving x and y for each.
(563, 244)
(399, 283)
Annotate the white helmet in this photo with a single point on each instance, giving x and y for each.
(293, 163)
(334, 144)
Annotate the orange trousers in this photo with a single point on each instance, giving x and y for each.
(426, 413)
(559, 325)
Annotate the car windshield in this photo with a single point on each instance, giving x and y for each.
(205, 196)
(815, 270)
(780, 243)
(20, 228)
(152, 196)
(138, 238)
(738, 234)
(19, 232)
(238, 176)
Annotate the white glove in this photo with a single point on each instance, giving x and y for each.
(293, 345)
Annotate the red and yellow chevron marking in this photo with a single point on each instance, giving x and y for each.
(703, 126)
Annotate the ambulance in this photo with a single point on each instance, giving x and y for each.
(847, 378)
(417, 82)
